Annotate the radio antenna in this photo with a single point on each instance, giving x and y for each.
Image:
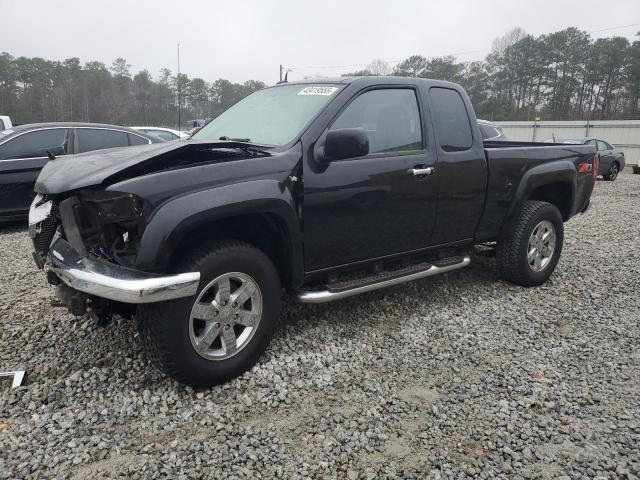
(179, 94)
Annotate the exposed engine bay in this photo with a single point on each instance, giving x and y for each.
(104, 224)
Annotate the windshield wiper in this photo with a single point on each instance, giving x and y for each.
(224, 137)
(245, 145)
(252, 148)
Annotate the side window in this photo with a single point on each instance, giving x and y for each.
(2, 125)
(389, 116)
(36, 144)
(137, 140)
(602, 145)
(592, 142)
(608, 145)
(451, 120)
(488, 131)
(90, 139)
(162, 135)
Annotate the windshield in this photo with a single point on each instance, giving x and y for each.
(273, 116)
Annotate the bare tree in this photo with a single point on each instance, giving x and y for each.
(378, 67)
(500, 44)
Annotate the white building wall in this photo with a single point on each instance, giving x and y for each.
(623, 134)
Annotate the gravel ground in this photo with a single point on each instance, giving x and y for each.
(454, 376)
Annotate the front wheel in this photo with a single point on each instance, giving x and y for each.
(223, 330)
(612, 174)
(530, 250)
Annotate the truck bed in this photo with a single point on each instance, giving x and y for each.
(508, 164)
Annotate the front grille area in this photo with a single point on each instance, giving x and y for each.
(44, 233)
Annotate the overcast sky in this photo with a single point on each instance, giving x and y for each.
(241, 40)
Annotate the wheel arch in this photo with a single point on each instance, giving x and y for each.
(553, 182)
(261, 213)
(558, 194)
(267, 231)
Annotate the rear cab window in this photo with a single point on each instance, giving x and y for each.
(452, 123)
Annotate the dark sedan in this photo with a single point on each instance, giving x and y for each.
(24, 150)
(611, 159)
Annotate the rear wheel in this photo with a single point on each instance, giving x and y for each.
(612, 174)
(223, 330)
(529, 252)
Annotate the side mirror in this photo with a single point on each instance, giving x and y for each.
(346, 143)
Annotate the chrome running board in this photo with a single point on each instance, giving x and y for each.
(329, 294)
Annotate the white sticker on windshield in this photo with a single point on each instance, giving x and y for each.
(318, 90)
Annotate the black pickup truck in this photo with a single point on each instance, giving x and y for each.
(324, 190)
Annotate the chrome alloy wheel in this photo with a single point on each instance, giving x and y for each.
(225, 316)
(542, 244)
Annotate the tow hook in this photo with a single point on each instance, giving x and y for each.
(101, 312)
(75, 302)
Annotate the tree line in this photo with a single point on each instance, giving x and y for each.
(566, 75)
(39, 90)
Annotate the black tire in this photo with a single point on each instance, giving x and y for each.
(164, 326)
(613, 172)
(512, 250)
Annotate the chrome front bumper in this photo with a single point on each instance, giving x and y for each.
(107, 280)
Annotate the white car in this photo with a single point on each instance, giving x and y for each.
(5, 123)
(162, 133)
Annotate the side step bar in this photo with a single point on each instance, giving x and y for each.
(329, 295)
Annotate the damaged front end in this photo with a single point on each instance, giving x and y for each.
(103, 224)
(87, 242)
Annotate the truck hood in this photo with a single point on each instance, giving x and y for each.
(94, 168)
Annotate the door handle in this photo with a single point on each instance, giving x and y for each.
(420, 172)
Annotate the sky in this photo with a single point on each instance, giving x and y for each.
(241, 40)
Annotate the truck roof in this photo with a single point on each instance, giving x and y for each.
(372, 80)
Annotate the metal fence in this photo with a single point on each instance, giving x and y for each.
(623, 134)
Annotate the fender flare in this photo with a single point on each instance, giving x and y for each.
(561, 171)
(174, 220)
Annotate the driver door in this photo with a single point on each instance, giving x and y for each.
(372, 206)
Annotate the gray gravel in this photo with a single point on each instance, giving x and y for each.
(461, 375)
